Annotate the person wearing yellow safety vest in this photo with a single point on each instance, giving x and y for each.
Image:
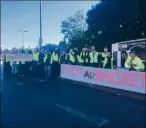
(70, 57)
(35, 56)
(63, 57)
(48, 62)
(134, 63)
(41, 71)
(109, 62)
(94, 58)
(103, 56)
(84, 55)
(55, 64)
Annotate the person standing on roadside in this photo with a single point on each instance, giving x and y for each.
(35, 62)
(63, 57)
(85, 56)
(109, 62)
(103, 56)
(55, 63)
(70, 57)
(48, 62)
(94, 57)
(41, 63)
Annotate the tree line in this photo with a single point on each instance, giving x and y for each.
(105, 23)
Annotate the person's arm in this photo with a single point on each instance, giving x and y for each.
(139, 65)
(127, 63)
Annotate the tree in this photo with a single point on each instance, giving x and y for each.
(114, 21)
(74, 28)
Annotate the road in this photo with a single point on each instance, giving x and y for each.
(60, 104)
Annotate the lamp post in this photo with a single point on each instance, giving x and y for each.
(40, 39)
(22, 36)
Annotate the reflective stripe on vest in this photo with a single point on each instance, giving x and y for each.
(71, 57)
(84, 54)
(105, 62)
(45, 59)
(55, 57)
(35, 56)
(61, 56)
(93, 59)
(22, 62)
(14, 62)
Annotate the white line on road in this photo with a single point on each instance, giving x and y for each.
(99, 123)
(19, 83)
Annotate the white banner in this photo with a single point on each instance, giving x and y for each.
(19, 57)
(119, 79)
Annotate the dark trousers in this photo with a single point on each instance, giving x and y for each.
(96, 65)
(85, 64)
(55, 69)
(41, 70)
(22, 69)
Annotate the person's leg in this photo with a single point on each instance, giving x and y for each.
(13, 69)
(46, 74)
(16, 69)
(49, 70)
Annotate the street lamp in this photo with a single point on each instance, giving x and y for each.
(22, 36)
(40, 39)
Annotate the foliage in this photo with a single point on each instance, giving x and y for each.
(74, 28)
(114, 21)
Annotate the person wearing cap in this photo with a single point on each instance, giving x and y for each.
(109, 62)
(134, 63)
(94, 57)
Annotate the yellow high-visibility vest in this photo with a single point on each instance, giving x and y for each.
(35, 56)
(82, 53)
(137, 62)
(45, 58)
(93, 59)
(71, 57)
(106, 60)
(55, 57)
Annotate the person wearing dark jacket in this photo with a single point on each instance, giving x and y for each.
(63, 58)
(76, 55)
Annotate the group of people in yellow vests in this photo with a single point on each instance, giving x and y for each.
(49, 62)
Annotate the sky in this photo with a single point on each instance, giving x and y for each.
(24, 15)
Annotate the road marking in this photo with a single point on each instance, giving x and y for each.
(19, 83)
(99, 123)
(39, 80)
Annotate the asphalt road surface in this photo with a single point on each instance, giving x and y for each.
(32, 103)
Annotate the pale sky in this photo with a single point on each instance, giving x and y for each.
(24, 15)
